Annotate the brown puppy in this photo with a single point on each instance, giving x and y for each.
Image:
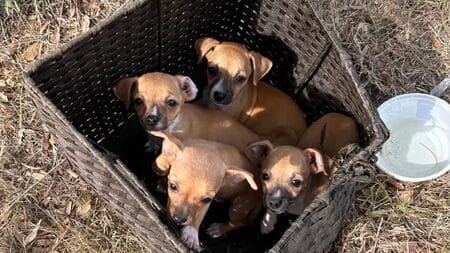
(293, 177)
(159, 100)
(201, 171)
(234, 85)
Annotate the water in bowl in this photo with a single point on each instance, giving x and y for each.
(422, 146)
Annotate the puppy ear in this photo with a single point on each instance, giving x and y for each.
(171, 145)
(124, 88)
(315, 161)
(235, 175)
(203, 46)
(188, 87)
(258, 151)
(261, 66)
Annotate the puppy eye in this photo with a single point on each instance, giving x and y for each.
(239, 78)
(265, 176)
(296, 182)
(173, 187)
(213, 70)
(138, 101)
(171, 103)
(206, 200)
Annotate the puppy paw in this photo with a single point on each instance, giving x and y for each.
(189, 236)
(268, 223)
(214, 230)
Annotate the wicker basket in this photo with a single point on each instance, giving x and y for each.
(72, 90)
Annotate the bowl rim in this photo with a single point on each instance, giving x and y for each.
(392, 173)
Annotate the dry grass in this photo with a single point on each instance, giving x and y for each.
(44, 205)
(397, 46)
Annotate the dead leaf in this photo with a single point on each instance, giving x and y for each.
(52, 140)
(72, 173)
(31, 52)
(386, 76)
(68, 208)
(2, 84)
(84, 209)
(437, 44)
(36, 175)
(43, 28)
(3, 98)
(32, 235)
(85, 22)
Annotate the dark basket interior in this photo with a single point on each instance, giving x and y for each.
(159, 36)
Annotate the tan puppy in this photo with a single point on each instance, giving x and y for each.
(159, 100)
(201, 171)
(234, 85)
(293, 177)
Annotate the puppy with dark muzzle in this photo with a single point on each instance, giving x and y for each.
(159, 100)
(293, 176)
(235, 86)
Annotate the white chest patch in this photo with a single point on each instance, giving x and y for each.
(172, 127)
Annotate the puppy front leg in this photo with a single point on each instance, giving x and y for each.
(189, 233)
(189, 236)
(268, 222)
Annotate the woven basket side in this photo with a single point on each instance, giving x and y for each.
(78, 78)
(296, 27)
(295, 45)
(112, 181)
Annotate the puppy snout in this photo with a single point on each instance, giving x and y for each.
(219, 96)
(275, 203)
(221, 93)
(152, 120)
(179, 219)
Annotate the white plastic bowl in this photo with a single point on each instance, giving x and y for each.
(418, 148)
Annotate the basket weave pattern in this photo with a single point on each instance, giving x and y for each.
(72, 90)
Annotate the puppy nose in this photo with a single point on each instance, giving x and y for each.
(275, 203)
(219, 96)
(179, 219)
(152, 120)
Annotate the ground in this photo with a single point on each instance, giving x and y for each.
(397, 46)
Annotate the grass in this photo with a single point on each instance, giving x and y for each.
(396, 46)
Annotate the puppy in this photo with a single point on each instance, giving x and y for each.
(160, 103)
(234, 86)
(201, 171)
(293, 177)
